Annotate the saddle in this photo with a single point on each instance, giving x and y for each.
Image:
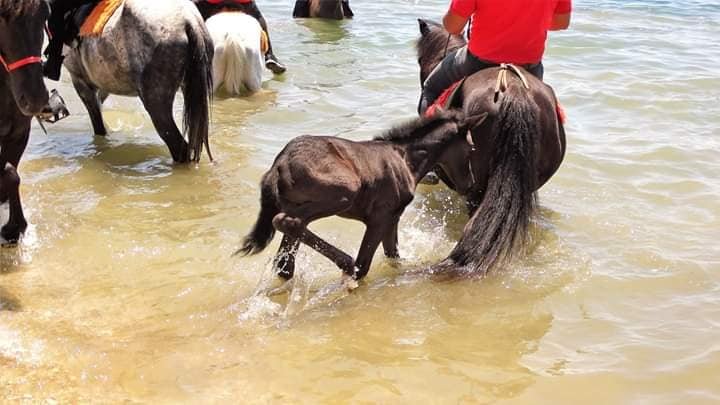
(89, 20)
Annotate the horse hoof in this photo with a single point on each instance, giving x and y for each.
(285, 274)
(349, 283)
(11, 234)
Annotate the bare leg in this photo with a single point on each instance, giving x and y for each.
(284, 263)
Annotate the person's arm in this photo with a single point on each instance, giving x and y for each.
(561, 18)
(458, 15)
(454, 23)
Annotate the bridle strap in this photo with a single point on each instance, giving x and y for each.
(30, 60)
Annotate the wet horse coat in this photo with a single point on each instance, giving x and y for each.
(512, 154)
(22, 95)
(150, 49)
(371, 181)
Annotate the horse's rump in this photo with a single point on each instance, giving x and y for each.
(240, 44)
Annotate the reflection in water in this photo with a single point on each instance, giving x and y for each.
(324, 31)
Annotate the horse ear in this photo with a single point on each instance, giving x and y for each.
(424, 27)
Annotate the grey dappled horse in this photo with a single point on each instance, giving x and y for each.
(22, 95)
(514, 152)
(149, 49)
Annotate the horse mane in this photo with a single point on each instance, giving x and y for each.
(19, 8)
(418, 127)
(435, 42)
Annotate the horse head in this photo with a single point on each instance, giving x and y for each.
(21, 39)
(433, 45)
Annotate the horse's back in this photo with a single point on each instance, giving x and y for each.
(138, 32)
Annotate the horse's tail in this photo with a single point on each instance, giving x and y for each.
(500, 224)
(198, 89)
(263, 231)
(234, 58)
(243, 64)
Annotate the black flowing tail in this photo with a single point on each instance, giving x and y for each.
(500, 224)
(263, 231)
(198, 89)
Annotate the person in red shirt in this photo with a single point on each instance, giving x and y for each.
(508, 31)
(209, 8)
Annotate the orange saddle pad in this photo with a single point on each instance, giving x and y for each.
(95, 22)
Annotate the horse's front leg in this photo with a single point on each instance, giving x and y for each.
(374, 233)
(92, 100)
(10, 187)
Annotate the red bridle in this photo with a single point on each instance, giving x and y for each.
(22, 62)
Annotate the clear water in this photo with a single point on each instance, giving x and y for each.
(124, 288)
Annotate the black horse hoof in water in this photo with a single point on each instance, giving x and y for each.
(11, 233)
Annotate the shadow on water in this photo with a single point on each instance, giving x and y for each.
(325, 31)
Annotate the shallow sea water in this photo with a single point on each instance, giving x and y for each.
(124, 288)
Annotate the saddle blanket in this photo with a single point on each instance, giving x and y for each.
(445, 99)
(95, 22)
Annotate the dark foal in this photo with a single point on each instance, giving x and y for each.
(22, 95)
(372, 181)
(515, 151)
(331, 9)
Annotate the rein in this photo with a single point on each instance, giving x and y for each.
(30, 60)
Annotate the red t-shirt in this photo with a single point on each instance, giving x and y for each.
(509, 31)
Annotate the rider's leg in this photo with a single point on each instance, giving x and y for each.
(454, 67)
(537, 70)
(271, 61)
(53, 52)
(61, 33)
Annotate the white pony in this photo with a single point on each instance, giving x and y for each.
(240, 45)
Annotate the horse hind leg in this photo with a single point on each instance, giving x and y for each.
(294, 223)
(160, 81)
(158, 101)
(284, 263)
(92, 98)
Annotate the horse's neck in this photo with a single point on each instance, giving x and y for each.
(421, 156)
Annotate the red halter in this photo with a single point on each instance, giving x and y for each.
(22, 62)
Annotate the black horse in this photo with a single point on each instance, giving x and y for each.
(315, 177)
(22, 96)
(506, 159)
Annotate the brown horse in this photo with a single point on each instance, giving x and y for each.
(512, 154)
(332, 9)
(373, 181)
(22, 95)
